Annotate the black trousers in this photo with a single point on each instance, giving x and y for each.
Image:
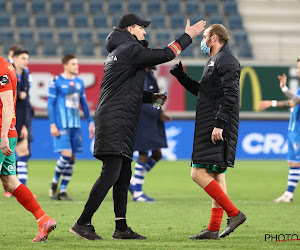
(116, 173)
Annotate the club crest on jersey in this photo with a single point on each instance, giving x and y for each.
(71, 84)
(4, 80)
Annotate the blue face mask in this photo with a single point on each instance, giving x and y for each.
(205, 49)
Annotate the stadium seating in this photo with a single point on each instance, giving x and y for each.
(5, 20)
(22, 20)
(216, 19)
(102, 34)
(38, 6)
(80, 20)
(162, 36)
(19, 6)
(61, 20)
(57, 6)
(99, 20)
(134, 6)
(154, 6)
(26, 35)
(158, 21)
(244, 51)
(31, 47)
(90, 21)
(7, 34)
(173, 6)
(41, 19)
(87, 49)
(235, 22)
(177, 20)
(50, 49)
(85, 35)
(192, 7)
(230, 7)
(65, 35)
(76, 6)
(45, 35)
(95, 6)
(69, 47)
(115, 6)
(211, 7)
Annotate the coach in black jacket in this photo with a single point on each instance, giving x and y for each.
(216, 129)
(117, 115)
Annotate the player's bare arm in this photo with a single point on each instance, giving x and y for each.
(7, 114)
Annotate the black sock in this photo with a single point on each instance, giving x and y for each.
(121, 225)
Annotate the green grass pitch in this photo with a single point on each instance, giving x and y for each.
(181, 209)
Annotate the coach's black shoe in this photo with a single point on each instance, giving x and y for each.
(86, 231)
(52, 191)
(128, 234)
(63, 197)
(233, 223)
(206, 235)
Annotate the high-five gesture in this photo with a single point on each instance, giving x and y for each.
(282, 80)
(196, 29)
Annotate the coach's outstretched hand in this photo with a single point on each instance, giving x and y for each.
(196, 29)
(177, 70)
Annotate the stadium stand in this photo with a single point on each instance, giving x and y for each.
(22, 20)
(38, 6)
(88, 22)
(95, 6)
(18, 6)
(42, 19)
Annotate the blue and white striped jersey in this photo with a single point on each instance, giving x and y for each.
(64, 99)
(294, 124)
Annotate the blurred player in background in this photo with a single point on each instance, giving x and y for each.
(216, 128)
(150, 136)
(9, 137)
(11, 52)
(24, 113)
(293, 134)
(66, 94)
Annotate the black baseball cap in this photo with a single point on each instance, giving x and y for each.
(131, 19)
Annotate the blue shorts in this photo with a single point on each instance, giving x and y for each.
(69, 139)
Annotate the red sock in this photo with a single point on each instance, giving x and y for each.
(26, 199)
(216, 192)
(215, 219)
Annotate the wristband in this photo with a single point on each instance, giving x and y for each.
(284, 89)
(274, 103)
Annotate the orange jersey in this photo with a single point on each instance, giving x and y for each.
(8, 81)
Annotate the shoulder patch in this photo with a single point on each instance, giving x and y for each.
(4, 80)
(10, 67)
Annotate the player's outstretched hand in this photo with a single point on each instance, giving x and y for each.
(196, 29)
(264, 105)
(282, 80)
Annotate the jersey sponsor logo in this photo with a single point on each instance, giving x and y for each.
(4, 80)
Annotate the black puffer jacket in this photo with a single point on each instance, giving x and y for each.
(121, 93)
(217, 106)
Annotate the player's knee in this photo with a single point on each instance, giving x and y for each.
(195, 177)
(156, 155)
